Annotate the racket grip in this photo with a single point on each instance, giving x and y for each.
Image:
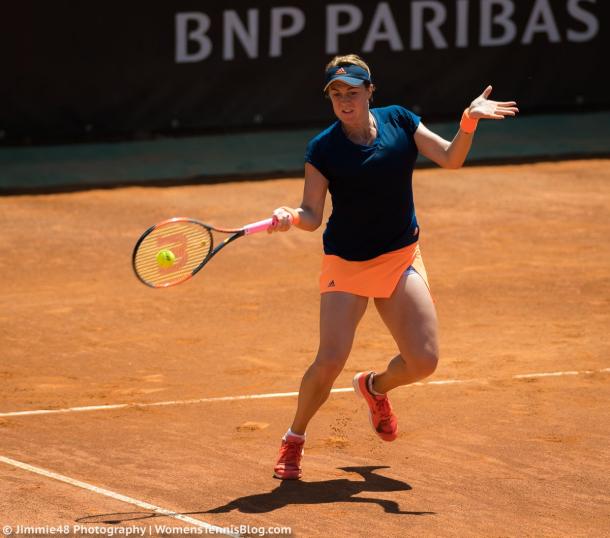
(259, 226)
(262, 225)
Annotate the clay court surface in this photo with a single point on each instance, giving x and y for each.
(519, 262)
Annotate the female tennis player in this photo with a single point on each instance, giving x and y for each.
(366, 160)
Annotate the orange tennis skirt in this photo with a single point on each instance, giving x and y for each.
(377, 277)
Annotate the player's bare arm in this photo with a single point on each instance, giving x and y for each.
(311, 210)
(453, 154)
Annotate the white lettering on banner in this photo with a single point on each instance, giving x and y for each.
(183, 36)
(589, 20)
(334, 29)
(426, 25)
(279, 32)
(232, 26)
(433, 26)
(503, 19)
(383, 28)
(461, 23)
(541, 21)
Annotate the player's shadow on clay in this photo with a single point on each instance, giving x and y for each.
(293, 492)
(326, 492)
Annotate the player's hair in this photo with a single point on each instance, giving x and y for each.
(350, 59)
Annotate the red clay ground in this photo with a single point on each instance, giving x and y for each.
(519, 262)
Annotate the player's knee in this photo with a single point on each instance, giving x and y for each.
(420, 365)
(331, 361)
(426, 363)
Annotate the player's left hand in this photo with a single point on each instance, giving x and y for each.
(484, 108)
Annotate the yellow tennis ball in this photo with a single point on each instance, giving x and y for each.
(165, 258)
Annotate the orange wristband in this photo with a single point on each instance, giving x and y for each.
(468, 124)
(296, 217)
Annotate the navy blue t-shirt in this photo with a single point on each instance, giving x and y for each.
(373, 211)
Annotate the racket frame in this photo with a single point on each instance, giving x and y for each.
(236, 233)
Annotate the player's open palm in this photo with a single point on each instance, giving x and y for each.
(484, 108)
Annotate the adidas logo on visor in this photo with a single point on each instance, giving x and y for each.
(340, 71)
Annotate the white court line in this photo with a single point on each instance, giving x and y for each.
(278, 394)
(551, 374)
(117, 496)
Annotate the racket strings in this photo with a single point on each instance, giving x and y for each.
(188, 242)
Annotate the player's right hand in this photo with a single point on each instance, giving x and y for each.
(282, 221)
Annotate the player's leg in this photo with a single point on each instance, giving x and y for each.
(410, 316)
(340, 314)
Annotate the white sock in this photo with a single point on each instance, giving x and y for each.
(292, 434)
(370, 386)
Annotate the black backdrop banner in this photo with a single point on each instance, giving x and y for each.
(82, 70)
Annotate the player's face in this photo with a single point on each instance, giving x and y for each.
(350, 103)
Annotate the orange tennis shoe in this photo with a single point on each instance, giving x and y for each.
(382, 418)
(288, 466)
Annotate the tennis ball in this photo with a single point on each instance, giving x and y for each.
(165, 258)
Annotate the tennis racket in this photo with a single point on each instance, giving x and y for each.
(175, 250)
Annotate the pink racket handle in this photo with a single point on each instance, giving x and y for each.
(259, 226)
(262, 225)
